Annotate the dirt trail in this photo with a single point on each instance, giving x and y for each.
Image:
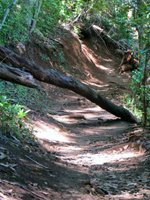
(84, 153)
(94, 146)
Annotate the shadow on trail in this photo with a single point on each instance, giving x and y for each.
(62, 170)
(35, 169)
(117, 169)
(125, 179)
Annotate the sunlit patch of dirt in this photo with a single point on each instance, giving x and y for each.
(82, 114)
(96, 60)
(89, 159)
(128, 196)
(52, 133)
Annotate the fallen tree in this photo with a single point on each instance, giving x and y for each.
(18, 76)
(21, 69)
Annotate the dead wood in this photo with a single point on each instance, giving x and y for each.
(127, 56)
(17, 76)
(129, 61)
(100, 33)
(109, 42)
(56, 78)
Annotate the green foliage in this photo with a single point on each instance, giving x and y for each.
(49, 16)
(130, 103)
(141, 95)
(21, 16)
(44, 57)
(139, 99)
(15, 27)
(25, 96)
(12, 118)
(112, 14)
(61, 58)
(70, 9)
(15, 102)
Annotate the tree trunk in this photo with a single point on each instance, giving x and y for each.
(18, 76)
(37, 7)
(7, 12)
(56, 78)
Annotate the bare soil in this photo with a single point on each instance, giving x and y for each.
(80, 151)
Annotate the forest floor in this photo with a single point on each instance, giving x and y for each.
(81, 152)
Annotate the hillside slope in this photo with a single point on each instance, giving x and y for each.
(87, 59)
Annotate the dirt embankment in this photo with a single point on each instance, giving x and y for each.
(83, 152)
(88, 59)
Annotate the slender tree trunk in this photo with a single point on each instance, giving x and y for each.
(37, 7)
(54, 77)
(145, 90)
(144, 57)
(7, 12)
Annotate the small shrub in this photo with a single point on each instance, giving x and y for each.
(22, 95)
(44, 57)
(130, 103)
(139, 99)
(12, 118)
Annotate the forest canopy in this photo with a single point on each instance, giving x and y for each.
(121, 19)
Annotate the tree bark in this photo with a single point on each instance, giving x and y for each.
(56, 78)
(18, 76)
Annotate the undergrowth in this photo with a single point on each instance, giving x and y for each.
(139, 98)
(12, 119)
(129, 102)
(30, 98)
(15, 102)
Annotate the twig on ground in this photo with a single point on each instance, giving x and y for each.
(36, 162)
